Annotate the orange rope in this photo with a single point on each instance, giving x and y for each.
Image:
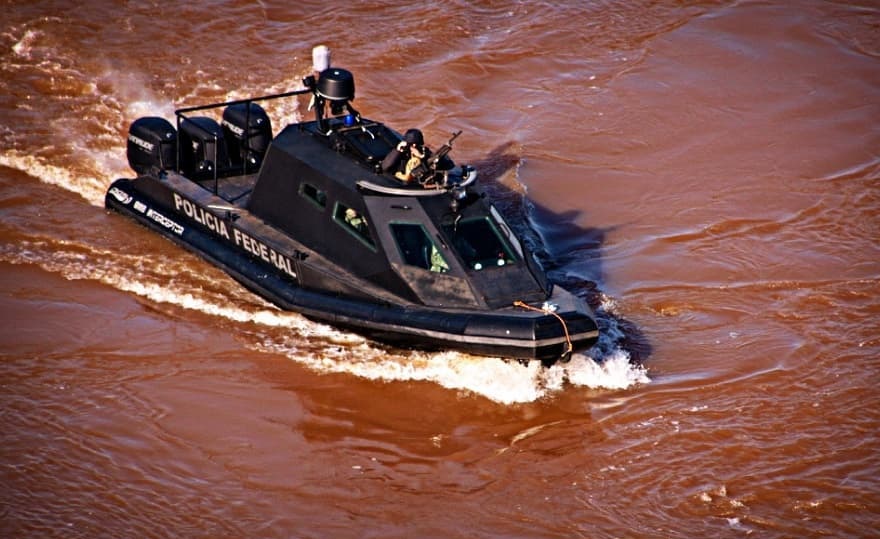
(522, 304)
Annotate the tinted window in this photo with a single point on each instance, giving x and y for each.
(355, 223)
(313, 194)
(479, 244)
(416, 247)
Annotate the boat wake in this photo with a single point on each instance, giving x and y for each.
(318, 346)
(90, 187)
(501, 380)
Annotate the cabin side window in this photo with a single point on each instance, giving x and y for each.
(313, 195)
(354, 223)
(416, 248)
(479, 243)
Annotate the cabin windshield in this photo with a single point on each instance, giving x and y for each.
(479, 244)
(416, 247)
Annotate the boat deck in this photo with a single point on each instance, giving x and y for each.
(233, 189)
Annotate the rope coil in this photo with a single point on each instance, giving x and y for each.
(547, 310)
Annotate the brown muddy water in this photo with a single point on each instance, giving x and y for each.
(705, 172)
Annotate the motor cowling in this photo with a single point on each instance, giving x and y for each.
(248, 132)
(152, 142)
(202, 147)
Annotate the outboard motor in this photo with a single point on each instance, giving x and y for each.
(248, 132)
(152, 143)
(202, 147)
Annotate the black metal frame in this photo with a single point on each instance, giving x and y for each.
(180, 114)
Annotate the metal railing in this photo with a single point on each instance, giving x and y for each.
(181, 115)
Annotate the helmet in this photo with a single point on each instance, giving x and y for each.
(414, 136)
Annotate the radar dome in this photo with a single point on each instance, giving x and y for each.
(336, 84)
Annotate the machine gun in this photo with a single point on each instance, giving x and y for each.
(426, 170)
(441, 153)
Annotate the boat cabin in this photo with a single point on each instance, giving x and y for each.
(434, 242)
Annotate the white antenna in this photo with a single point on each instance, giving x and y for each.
(320, 58)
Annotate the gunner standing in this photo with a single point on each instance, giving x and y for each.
(407, 156)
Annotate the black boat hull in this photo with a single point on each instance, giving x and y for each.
(508, 332)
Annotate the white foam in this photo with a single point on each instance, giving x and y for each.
(23, 47)
(97, 159)
(89, 187)
(503, 381)
(615, 371)
(154, 279)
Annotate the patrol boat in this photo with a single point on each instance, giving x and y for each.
(309, 219)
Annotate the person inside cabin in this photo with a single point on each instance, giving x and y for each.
(356, 221)
(407, 156)
(438, 265)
